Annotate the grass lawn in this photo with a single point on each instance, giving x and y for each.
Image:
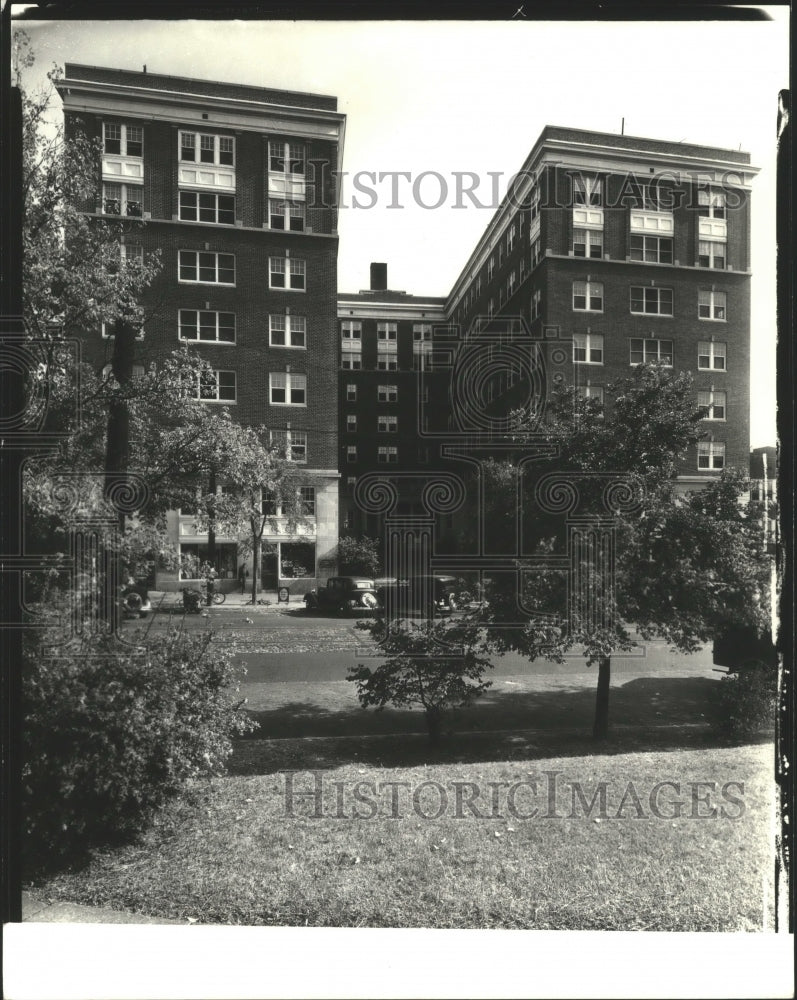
(233, 856)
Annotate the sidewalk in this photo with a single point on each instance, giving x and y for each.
(38, 910)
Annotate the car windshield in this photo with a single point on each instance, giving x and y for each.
(363, 584)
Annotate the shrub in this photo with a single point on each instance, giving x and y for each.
(747, 701)
(358, 556)
(112, 732)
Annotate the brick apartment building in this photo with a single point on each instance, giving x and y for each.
(234, 186)
(628, 250)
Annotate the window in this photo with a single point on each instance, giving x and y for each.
(652, 198)
(203, 325)
(286, 215)
(653, 249)
(352, 359)
(490, 307)
(387, 454)
(287, 389)
(587, 191)
(711, 253)
(198, 207)
(386, 331)
(292, 444)
(711, 404)
(287, 331)
(351, 392)
(207, 268)
(650, 351)
(351, 453)
(138, 372)
(510, 284)
(588, 296)
(710, 455)
(285, 157)
(387, 424)
(307, 497)
(711, 305)
(123, 140)
(196, 147)
(351, 422)
(711, 204)
(387, 393)
(385, 359)
(587, 243)
(711, 355)
(490, 268)
(535, 253)
(591, 392)
(652, 301)
(536, 304)
(217, 386)
(108, 332)
(285, 272)
(522, 269)
(588, 348)
(351, 481)
(123, 199)
(510, 238)
(386, 346)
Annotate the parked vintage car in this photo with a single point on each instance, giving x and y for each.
(343, 594)
(420, 595)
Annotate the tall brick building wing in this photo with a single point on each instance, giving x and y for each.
(235, 185)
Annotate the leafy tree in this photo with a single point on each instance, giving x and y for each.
(359, 556)
(686, 565)
(262, 489)
(437, 665)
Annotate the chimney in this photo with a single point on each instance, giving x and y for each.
(378, 277)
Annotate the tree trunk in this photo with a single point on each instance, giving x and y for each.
(255, 568)
(211, 528)
(434, 725)
(600, 730)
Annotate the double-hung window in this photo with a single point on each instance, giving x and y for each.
(711, 204)
(288, 273)
(307, 497)
(197, 206)
(386, 346)
(387, 455)
(651, 301)
(711, 404)
(351, 422)
(587, 191)
(711, 305)
(197, 147)
(588, 296)
(122, 199)
(288, 215)
(711, 355)
(291, 444)
(387, 393)
(536, 304)
(710, 455)
(207, 326)
(287, 389)
(122, 140)
(651, 350)
(351, 453)
(387, 424)
(587, 243)
(287, 330)
(217, 386)
(591, 392)
(535, 253)
(652, 249)
(712, 253)
(207, 268)
(351, 345)
(588, 348)
(351, 392)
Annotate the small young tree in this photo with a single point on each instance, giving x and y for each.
(359, 556)
(684, 565)
(436, 665)
(262, 489)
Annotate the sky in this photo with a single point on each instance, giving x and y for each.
(474, 96)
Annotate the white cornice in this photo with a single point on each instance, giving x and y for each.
(356, 308)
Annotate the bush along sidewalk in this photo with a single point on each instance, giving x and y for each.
(113, 732)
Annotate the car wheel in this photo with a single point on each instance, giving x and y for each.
(133, 601)
(369, 601)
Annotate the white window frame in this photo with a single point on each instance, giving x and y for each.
(588, 290)
(351, 423)
(711, 204)
(387, 424)
(351, 392)
(592, 242)
(387, 393)
(293, 443)
(197, 209)
(650, 251)
(123, 199)
(387, 455)
(714, 453)
(716, 302)
(217, 327)
(717, 255)
(291, 326)
(536, 252)
(197, 280)
(198, 146)
(124, 129)
(591, 392)
(712, 400)
(351, 452)
(290, 210)
(285, 154)
(293, 382)
(307, 496)
(713, 350)
(648, 353)
(587, 191)
(288, 267)
(536, 304)
(387, 332)
(645, 289)
(217, 399)
(589, 343)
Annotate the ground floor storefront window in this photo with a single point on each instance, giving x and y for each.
(225, 562)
